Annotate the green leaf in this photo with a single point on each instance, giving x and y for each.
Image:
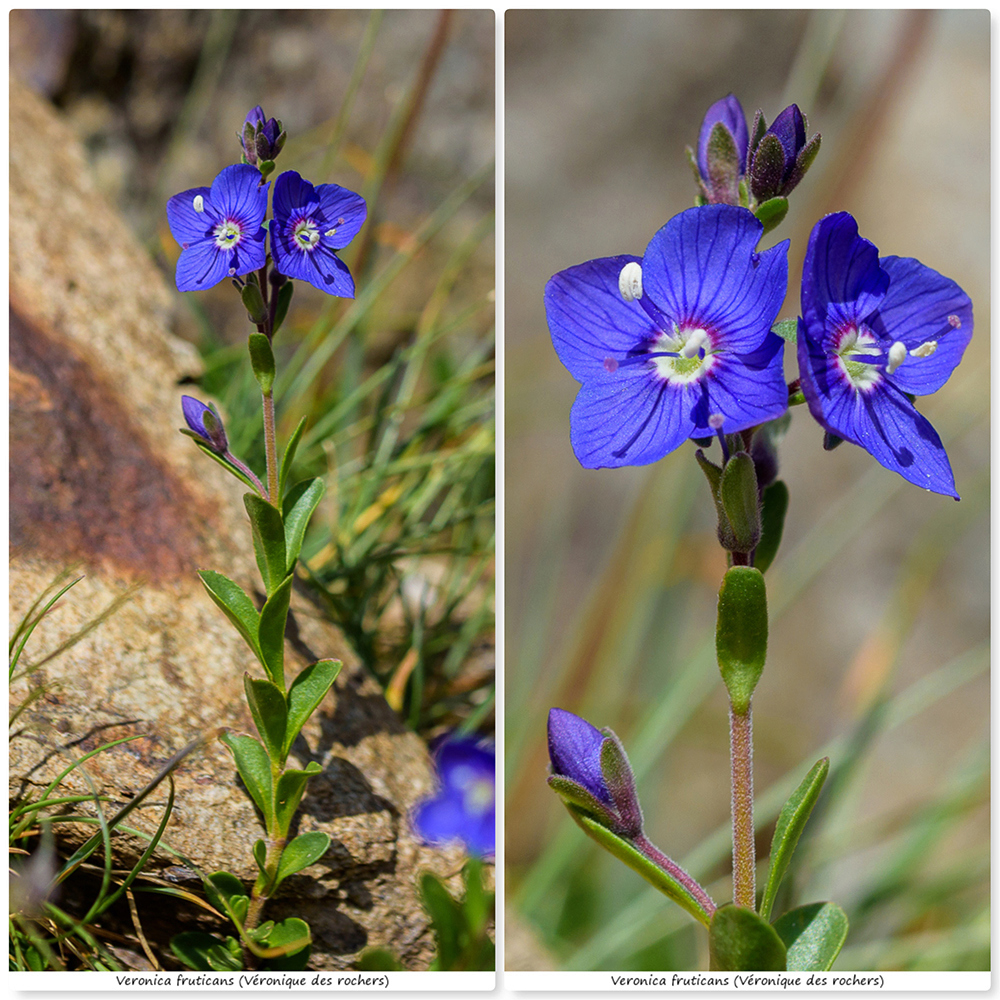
(284, 300)
(774, 506)
(271, 632)
(813, 935)
(286, 460)
(270, 715)
(288, 934)
(305, 694)
(253, 302)
(205, 952)
(378, 960)
(739, 941)
(478, 904)
(741, 633)
(255, 770)
(791, 822)
(446, 918)
(260, 855)
(653, 874)
(298, 507)
(261, 356)
(291, 785)
(221, 886)
(787, 329)
(771, 213)
(738, 493)
(304, 850)
(268, 540)
(236, 606)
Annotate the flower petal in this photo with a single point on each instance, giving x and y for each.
(321, 267)
(238, 194)
(575, 752)
(201, 266)
(589, 320)
(338, 203)
(187, 225)
(291, 193)
(916, 309)
(729, 111)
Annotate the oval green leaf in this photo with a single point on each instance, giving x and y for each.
(774, 506)
(236, 606)
(741, 633)
(271, 631)
(291, 785)
(298, 507)
(305, 694)
(255, 770)
(739, 941)
(813, 935)
(304, 850)
(268, 540)
(267, 706)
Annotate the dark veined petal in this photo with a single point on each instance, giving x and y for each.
(202, 266)
(920, 306)
(701, 269)
(590, 322)
(186, 224)
(339, 203)
(291, 193)
(841, 276)
(575, 752)
(238, 194)
(321, 267)
(631, 418)
(729, 111)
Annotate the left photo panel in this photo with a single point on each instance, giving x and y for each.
(252, 498)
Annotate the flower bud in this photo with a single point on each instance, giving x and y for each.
(722, 152)
(205, 424)
(261, 138)
(780, 158)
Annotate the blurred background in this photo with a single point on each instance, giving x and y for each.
(880, 596)
(396, 385)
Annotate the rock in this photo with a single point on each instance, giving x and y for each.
(101, 481)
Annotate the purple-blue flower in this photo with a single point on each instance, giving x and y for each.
(873, 333)
(662, 343)
(465, 807)
(205, 423)
(219, 228)
(310, 225)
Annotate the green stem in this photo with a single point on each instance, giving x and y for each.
(744, 854)
(270, 450)
(262, 888)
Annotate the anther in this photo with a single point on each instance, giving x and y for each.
(954, 321)
(925, 350)
(630, 281)
(610, 365)
(897, 354)
(199, 203)
(695, 342)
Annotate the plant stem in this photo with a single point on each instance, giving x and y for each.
(247, 471)
(651, 851)
(262, 888)
(744, 854)
(270, 450)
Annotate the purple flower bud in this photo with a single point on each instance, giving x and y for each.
(261, 138)
(782, 156)
(575, 752)
(729, 112)
(205, 424)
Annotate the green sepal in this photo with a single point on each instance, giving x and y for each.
(271, 632)
(291, 786)
(260, 855)
(723, 161)
(791, 822)
(289, 456)
(305, 694)
(306, 849)
(768, 168)
(265, 167)
(739, 941)
(270, 715)
(289, 933)
(218, 458)
(693, 162)
(207, 953)
(303, 498)
(236, 606)
(573, 793)
(284, 301)
(831, 440)
(757, 132)
(268, 540)
(771, 213)
(255, 770)
(713, 473)
(787, 329)
(813, 935)
(738, 493)
(253, 302)
(261, 355)
(741, 633)
(796, 398)
(638, 862)
(774, 506)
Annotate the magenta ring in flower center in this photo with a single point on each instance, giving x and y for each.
(227, 234)
(306, 234)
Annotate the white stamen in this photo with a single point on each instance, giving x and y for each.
(925, 350)
(695, 342)
(897, 355)
(630, 281)
(199, 203)
(330, 232)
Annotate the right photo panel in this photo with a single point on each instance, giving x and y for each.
(747, 379)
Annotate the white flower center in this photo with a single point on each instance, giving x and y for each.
(854, 342)
(306, 235)
(693, 345)
(227, 234)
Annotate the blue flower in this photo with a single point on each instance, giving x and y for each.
(219, 228)
(310, 225)
(205, 424)
(873, 333)
(662, 344)
(465, 808)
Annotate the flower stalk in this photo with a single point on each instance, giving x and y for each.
(741, 764)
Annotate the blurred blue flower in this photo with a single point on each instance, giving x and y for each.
(465, 807)
(873, 334)
(662, 344)
(310, 225)
(219, 228)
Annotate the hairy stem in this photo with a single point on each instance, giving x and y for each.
(744, 856)
(651, 851)
(270, 450)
